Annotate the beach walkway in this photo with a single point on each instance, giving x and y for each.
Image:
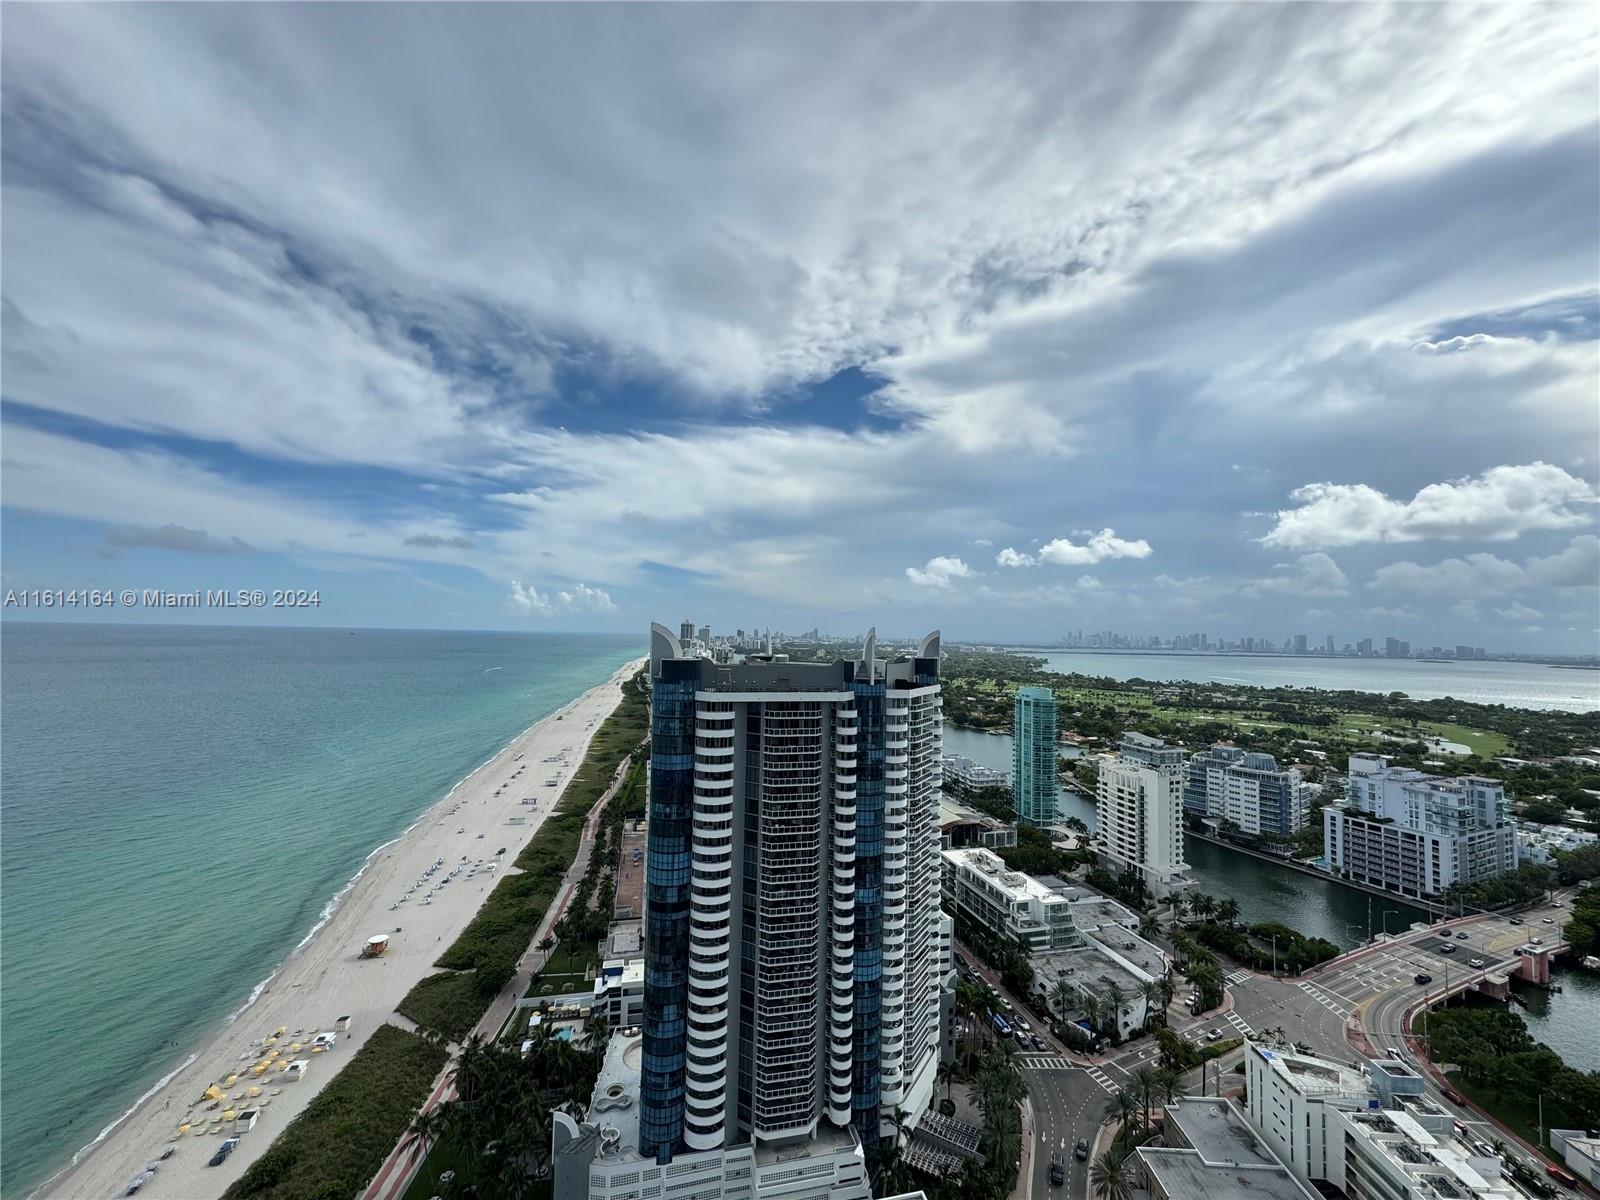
(406, 1159)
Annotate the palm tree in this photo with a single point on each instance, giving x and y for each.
(1146, 1084)
(1120, 1108)
(1114, 1001)
(1061, 996)
(1169, 1083)
(1109, 1178)
(1155, 1002)
(1228, 910)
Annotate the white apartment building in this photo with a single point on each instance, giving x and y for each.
(978, 884)
(1374, 1136)
(1417, 834)
(1539, 843)
(1139, 800)
(1248, 789)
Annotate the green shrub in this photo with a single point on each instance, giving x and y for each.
(338, 1143)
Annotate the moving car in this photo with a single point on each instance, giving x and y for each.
(1393, 1052)
(1058, 1171)
(1214, 1036)
(1548, 921)
(1537, 941)
(1516, 920)
(1081, 1150)
(1453, 1096)
(1423, 978)
(1450, 949)
(1476, 962)
(1461, 937)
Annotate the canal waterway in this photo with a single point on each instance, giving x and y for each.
(1263, 890)
(1567, 1021)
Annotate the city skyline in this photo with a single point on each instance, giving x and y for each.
(988, 319)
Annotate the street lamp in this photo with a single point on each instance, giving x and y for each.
(1387, 913)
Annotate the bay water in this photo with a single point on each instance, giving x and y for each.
(181, 805)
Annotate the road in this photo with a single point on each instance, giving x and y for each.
(1336, 1011)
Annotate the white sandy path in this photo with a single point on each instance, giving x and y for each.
(325, 980)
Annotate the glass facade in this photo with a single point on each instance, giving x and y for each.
(1033, 755)
(672, 732)
(868, 946)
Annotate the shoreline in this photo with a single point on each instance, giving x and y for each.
(320, 979)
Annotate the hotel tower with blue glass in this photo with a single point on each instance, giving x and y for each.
(792, 929)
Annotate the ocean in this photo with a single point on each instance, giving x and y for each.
(1518, 685)
(180, 806)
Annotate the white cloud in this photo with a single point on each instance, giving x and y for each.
(1064, 552)
(1467, 610)
(580, 598)
(1308, 575)
(1474, 575)
(1576, 566)
(938, 572)
(1519, 612)
(1500, 504)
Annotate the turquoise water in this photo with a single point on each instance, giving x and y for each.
(1519, 685)
(179, 805)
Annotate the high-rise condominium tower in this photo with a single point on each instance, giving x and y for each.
(1140, 811)
(792, 921)
(1033, 755)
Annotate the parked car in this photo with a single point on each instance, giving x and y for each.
(1450, 949)
(1423, 978)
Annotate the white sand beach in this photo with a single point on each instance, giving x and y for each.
(325, 979)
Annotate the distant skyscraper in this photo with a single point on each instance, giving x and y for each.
(686, 631)
(1328, 646)
(1140, 809)
(792, 963)
(1033, 755)
(1300, 643)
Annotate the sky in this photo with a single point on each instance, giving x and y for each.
(1245, 320)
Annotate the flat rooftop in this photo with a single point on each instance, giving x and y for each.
(615, 1102)
(1219, 1132)
(1015, 884)
(1182, 1174)
(1312, 1076)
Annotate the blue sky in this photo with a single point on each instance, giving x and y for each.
(1238, 319)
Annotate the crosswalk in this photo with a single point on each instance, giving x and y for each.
(1240, 1024)
(1236, 976)
(1327, 1001)
(1101, 1078)
(1043, 1062)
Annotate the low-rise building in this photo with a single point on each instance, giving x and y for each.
(599, 1158)
(1540, 843)
(1109, 965)
(1250, 790)
(979, 886)
(1373, 1135)
(962, 774)
(1579, 1151)
(1210, 1150)
(1417, 834)
(961, 826)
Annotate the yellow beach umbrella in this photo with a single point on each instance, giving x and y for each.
(213, 1092)
(254, 1092)
(282, 1029)
(183, 1128)
(230, 1080)
(227, 1114)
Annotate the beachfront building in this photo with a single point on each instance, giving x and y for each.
(792, 960)
(602, 1157)
(1259, 797)
(1139, 801)
(1373, 1135)
(1033, 756)
(1417, 834)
